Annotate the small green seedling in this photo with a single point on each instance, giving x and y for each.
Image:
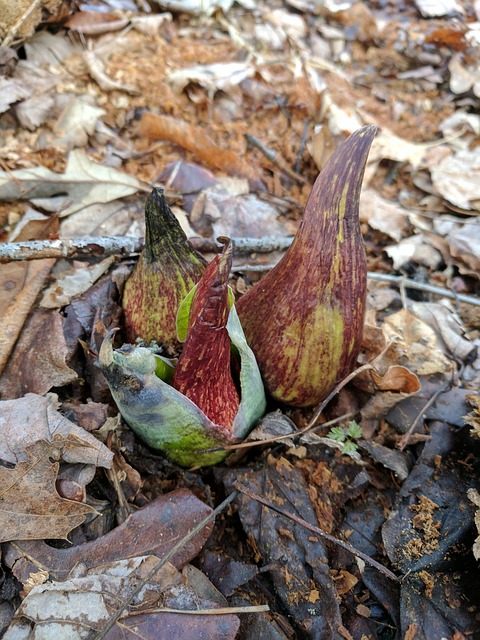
(347, 437)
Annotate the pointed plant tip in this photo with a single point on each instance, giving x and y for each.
(105, 355)
(111, 332)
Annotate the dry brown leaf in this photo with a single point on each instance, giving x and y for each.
(416, 345)
(20, 284)
(388, 145)
(84, 182)
(219, 212)
(34, 226)
(463, 77)
(196, 7)
(196, 140)
(474, 496)
(213, 77)
(153, 530)
(74, 283)
(447, 325)
(456, 177)
(71, 609)
(473, 418)
(416, 249)
(438, 8)
(11, 91)
(109, 219)
(463, 242)
(396, 378)
(30, 507)
(76, 122)
(34, 418)
(39, 359)
(387, 217)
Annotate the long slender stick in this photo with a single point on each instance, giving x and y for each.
(323, 534)
(103, 246)
(121, 245)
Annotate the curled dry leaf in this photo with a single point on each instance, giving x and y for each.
(30, 507)
(463, 77)
(394, 385)
(416, 249)
(396, 378)
(33, 418)
(214, 77)
(463, 241)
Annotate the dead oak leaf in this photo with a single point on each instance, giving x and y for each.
(26, 420)
(30, 507)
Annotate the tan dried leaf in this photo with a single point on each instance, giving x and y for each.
(84, 182)
(387, 217)
(60, 292)
(30, 507)
(415, 343)
(35, 418)
(39, 359)
(447, 325)
(456, 177)
(20, 285)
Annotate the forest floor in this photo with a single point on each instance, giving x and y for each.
(361, 527)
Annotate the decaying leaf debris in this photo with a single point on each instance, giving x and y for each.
(233, 109)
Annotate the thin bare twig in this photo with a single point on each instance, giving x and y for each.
(340, 543)
(104, 246)
(21, 20)
(313, 420)
(294, 434)
(99, 635)
(401, 281)
(84, 246)
(404, 441)
(221, 611)
(274, 158)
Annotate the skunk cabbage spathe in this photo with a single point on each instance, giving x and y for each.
(304, 319)
(167, 269)
(215, 396)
